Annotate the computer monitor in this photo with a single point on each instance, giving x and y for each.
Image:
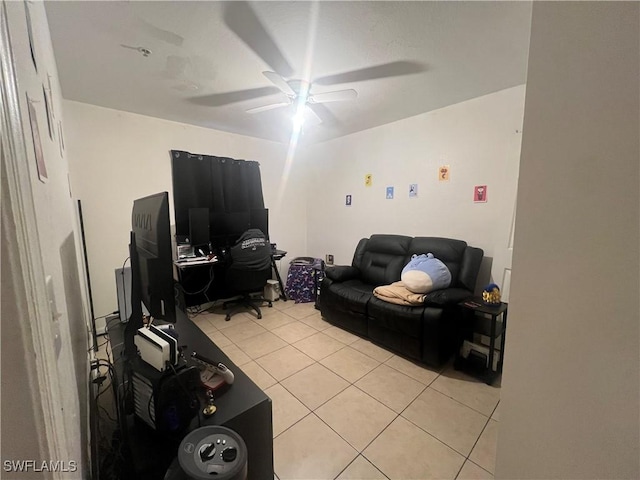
(260, 220)
(152, 258)
(199, 227)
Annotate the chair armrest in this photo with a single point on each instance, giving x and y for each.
(447, 296)
(342, 273)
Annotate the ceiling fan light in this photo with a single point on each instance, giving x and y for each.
(298, 118)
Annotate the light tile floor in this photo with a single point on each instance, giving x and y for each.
(344, 408)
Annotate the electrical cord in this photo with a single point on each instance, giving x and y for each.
(108, 456)
(204, 289)
(115, 312)
(112, 321)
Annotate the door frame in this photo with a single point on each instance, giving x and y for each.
(27, 269)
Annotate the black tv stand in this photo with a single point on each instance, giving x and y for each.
(242, 407)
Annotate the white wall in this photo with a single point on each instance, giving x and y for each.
(570, 389)
(116, 157)
(479, 139)
(56, 231)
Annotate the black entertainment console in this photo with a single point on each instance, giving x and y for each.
(242, 407)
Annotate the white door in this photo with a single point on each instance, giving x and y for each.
(505, 228)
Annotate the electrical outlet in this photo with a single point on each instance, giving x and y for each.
(329, 259)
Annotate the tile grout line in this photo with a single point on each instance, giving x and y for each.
(367, 460)
(400, 414)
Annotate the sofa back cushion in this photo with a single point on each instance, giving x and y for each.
(381, 258)
(449, 251)
(470, 267)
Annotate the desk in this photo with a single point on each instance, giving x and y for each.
(242, 407)
(279, 255)
(203, 282)
(200, 282)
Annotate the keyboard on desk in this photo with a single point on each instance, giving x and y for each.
(196, 261)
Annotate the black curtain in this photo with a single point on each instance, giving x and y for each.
(231, 189)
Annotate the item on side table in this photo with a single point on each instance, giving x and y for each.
(480, 351)
(491, 295)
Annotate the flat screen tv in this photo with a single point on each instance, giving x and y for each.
(151, 254)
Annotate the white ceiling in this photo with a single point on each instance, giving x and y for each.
(456, 51)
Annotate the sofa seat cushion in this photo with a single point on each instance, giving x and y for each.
(447, 296)
(399, 318)
(352, 295)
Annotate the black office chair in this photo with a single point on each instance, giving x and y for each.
(247, 272)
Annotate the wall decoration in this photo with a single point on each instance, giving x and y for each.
(60, 138)
(347, 200)
(368, 180)
(50, 89)
(32, 45)
(413, 190)
(47, 108)
(443, 173)
(37, 145)
(389, 193)
(480, 193)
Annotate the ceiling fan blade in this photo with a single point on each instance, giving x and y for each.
(219, 99)
(123, 19)
(336, 96)
(159, 33)
(279, 82)
(242, 20)
(391, 69)
(323, 113)
(175, 66)
(264, 108)
(314, 115)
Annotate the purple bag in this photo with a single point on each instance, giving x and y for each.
(303, 278)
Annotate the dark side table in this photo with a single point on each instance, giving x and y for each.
(485, 320)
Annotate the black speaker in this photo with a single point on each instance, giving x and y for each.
(198, 226)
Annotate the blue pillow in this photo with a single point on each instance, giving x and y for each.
(425, 273)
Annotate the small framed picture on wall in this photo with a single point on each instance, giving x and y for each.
(389, 193)
(37, 143)
(480, 193)
(443, 173)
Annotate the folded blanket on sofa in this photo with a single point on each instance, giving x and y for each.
(399, 294)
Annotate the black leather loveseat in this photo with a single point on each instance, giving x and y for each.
(427, 333)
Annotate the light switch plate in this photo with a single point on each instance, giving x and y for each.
(55, 315)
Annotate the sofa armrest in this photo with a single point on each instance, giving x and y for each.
(342, 273)
(447, 296)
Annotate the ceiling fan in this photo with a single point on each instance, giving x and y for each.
(298, 92)
(242, 20)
